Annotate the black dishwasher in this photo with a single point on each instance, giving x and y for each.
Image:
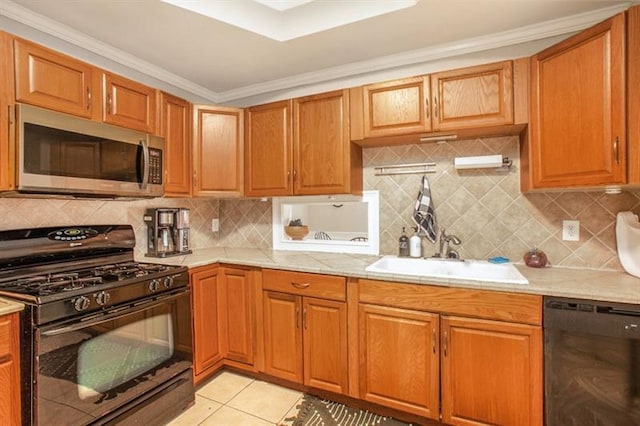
(592, 363)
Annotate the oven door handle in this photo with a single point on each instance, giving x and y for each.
(113, 313)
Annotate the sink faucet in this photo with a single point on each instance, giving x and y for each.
(445, 251)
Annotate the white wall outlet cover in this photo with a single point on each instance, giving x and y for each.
(215, 225)
(570, 230)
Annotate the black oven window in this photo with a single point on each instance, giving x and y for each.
(108, 360)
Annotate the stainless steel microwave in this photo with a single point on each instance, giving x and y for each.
(61, 154)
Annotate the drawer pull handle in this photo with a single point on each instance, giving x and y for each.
(88, 98)
(426, 110)
(304, 318)
(300, 285)
(433, 340)
(616, 153)
(297, 317)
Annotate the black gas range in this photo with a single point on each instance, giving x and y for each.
(103, 336)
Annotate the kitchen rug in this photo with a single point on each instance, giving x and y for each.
(314, 411)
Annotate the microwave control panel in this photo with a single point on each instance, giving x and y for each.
(155, 166)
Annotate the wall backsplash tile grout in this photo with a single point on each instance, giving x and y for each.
(482, 207)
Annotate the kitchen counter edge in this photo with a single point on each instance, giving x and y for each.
(604, 285)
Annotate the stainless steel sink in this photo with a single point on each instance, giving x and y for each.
(473, 270)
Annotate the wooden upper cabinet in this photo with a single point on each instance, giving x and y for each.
(397, 107)
(52, 80)
(491, 372)
(325, 161)
(129, 104)
(175, 128)
(7, 96)
(477, 96)
(218, 151)
(268, 150)
(399, 359)
(577, 117)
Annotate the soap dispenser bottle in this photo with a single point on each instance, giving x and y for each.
(415, 246)
(403, 245)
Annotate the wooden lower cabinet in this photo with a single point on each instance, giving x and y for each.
(305, 340)
(223, 324)
(10, 369)
(237, 315)
(399, 359)
(491, 372)
(206, 289)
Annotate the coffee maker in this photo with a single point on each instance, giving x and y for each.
(167, 231)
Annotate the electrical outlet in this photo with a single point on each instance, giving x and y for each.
(215, 225)
(570, 230)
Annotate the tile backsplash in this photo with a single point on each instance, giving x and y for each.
(484, 208)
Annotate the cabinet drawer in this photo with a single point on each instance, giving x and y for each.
(501, 306)
(303, 284)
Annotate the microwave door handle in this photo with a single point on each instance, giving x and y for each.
(145, 164)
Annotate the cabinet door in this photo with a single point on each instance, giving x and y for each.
(283, 336)
(325, 344)
(7, 96)
(491, 372)
(10, 370)
(175, 128)
(206, 314)
(237, 316)
(473, 97)
(129, 104)
(51, 80)
(321, 144)
(218, 151)
(399, 359)
(577, 118)
(268, 151)
(397, 107)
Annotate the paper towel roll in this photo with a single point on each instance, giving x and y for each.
(628, 238)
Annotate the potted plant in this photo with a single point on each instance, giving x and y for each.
(296, 230)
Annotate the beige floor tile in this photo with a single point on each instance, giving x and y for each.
(291, 413)
(196, 414)
(228, 416)
(264, 400)
(224, 386)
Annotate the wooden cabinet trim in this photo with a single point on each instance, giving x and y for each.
(305, 284)
(633, 95)
(514, 307)
(7, 123)
(10, 369)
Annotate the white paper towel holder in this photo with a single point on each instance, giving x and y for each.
(628, 242)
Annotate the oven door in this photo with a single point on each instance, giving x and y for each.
(94, 366)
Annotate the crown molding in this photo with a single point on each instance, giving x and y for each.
(534, 32)
(525, 34)
(63, 32)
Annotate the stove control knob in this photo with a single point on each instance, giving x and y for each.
(102, 298)
(81, 303)
(154, 285)
(167, 282)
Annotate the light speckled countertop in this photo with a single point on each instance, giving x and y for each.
(9, 306)
(553, 281)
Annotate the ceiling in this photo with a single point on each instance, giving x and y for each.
(222, 62)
